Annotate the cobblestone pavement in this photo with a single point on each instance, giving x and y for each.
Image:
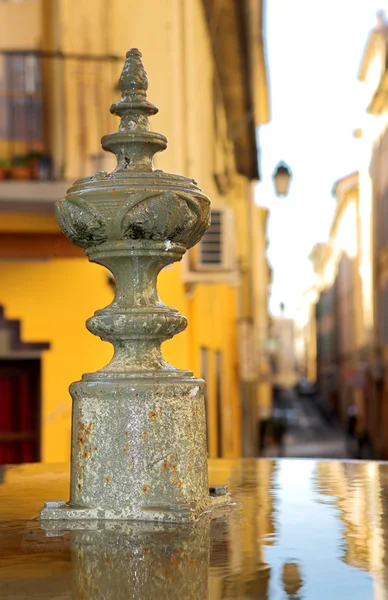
(309, 432)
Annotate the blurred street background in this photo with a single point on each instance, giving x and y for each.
(279, 110)
(309, 430)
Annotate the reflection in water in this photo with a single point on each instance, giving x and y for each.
(220, 556)
(125, 560)
(357, 489)
(292, 580)
(243, 573)
(300, 530)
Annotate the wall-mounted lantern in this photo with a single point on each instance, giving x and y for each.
(282, 178)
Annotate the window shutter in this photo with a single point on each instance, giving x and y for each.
(216, 251)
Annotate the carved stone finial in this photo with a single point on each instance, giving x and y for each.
(134, 79)
(139, 436)
(134, 110)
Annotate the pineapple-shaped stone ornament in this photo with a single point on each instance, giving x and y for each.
(138, 429)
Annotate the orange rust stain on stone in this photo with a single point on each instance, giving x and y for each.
(84, 446)
(152, 415)
(107, 479)
(127, 442)
(145, 488)
(172, 466)
(145, 434)
(175, 562)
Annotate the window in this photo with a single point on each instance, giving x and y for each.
(216, 250)
(21, 105)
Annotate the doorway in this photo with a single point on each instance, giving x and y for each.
(19, 411)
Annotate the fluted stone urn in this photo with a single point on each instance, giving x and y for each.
(138, 424)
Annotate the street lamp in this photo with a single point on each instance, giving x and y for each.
(282, 177)
(292, 579)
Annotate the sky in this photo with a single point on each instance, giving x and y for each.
(314, 52)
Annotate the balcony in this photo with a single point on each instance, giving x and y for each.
(53, 112)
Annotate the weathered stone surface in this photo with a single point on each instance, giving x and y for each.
(139, 435)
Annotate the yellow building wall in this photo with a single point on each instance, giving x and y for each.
(260, 300)
(53, 299)
(28, 223)
(20, 24)
(213, 317)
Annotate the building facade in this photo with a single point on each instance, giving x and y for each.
(352, 268)
(59, 66)
(283, 355)
(357, 491)
(306, 336)
(373, 139)
(340, 366)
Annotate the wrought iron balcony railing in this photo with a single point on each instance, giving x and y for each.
(45, 103)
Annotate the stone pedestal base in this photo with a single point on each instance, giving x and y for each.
(138, 450)
(58, 510)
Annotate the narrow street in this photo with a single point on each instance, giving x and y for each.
(310, 433)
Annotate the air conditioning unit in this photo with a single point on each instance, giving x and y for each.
(213, 259)
(217, 251)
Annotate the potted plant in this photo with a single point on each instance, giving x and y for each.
(39, 165)
(4, 168)
(20, 168)
(34, 158)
